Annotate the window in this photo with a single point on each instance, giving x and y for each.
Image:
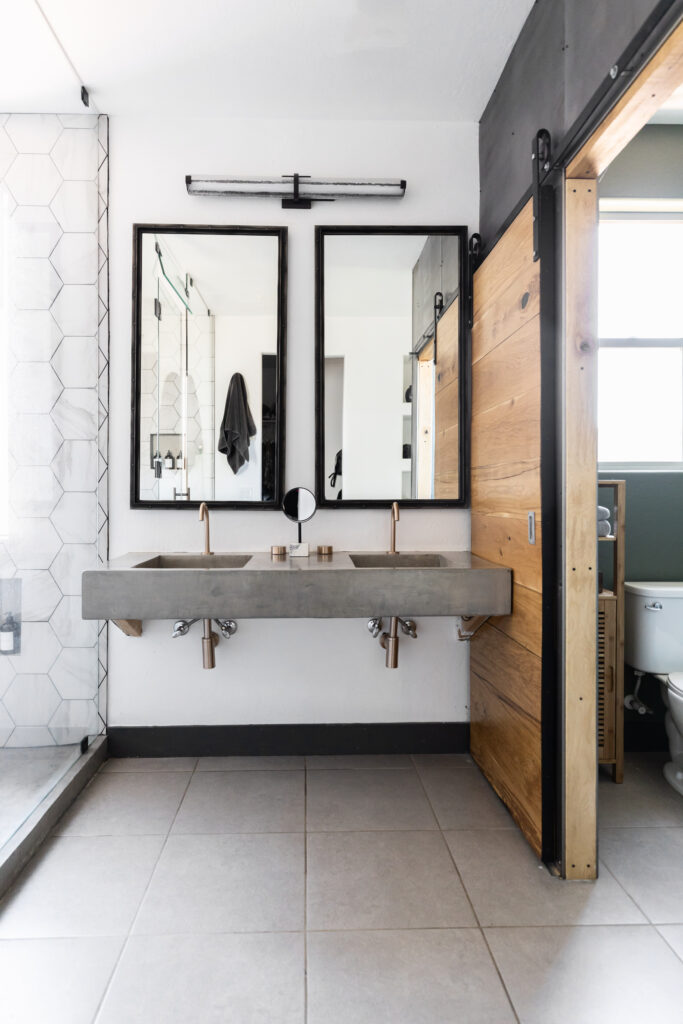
(640, 323)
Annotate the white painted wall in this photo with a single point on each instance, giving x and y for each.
(372, 416)
(279, 670)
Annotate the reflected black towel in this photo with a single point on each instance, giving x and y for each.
(237, 426)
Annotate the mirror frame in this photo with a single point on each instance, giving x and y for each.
(464, 361)
(280, 366)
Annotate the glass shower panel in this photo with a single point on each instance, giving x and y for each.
(53, 416)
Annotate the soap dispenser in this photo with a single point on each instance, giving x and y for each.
(9, 632)
(169, 462)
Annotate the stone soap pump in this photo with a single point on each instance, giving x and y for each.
(299, 506)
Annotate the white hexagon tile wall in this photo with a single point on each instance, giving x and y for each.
(54, 370)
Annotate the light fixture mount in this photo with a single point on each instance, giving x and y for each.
(297, 191)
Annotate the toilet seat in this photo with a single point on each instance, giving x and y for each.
(675, 682)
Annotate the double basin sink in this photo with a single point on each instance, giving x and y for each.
(141, 586)
(364, 561)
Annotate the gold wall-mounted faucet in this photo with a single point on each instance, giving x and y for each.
(395, 516)
(204, 515)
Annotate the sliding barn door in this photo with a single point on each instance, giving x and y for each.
(511, 680)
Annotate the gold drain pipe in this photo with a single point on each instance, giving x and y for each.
(209, 641)
(389, 641)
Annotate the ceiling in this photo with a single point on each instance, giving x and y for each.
(333, 59)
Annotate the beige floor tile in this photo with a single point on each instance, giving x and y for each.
(149, 764)
(673, 934)
(443, 761)
(57, 980)
(247, 764)
(315, 761)
(648, 862)
(208, 979)
(404, 977)
(126, 803)
(363, 800)
(462, 798)
(644, 798)
(80, 886)
(226, 883)
(243, 802)
(509, 886)
(383, 880)
(602, 975)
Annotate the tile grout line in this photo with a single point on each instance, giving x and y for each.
(623, 888)
(127, 937)
(674, 951)
(467, 895)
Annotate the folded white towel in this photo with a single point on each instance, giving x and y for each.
(604, 529)
(603, 513)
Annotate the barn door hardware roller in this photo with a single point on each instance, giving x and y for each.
(540, 166)
(474, 251)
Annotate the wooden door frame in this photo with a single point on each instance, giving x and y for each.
(659, 78)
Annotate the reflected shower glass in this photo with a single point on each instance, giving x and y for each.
(209, 328)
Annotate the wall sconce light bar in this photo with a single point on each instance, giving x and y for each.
(297, 191)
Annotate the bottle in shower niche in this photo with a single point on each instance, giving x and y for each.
(179, 461)
(169, 461)
(9, 635)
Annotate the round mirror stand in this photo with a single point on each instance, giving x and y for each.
(299, 506)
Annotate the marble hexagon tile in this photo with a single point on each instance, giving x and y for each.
(54, 182)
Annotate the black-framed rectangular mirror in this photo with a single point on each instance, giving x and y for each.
(208, 404)
(392, 393)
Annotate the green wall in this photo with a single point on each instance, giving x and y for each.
(654, 551)
(654, 525)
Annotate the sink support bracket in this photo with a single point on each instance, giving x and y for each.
(131, 627)
(471, 624)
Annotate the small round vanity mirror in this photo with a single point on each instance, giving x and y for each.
(299, 504)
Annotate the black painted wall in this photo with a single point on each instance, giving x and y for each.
(558, 69)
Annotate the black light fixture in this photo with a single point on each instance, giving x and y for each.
(297, 191)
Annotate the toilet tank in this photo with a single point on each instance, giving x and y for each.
(654, 627)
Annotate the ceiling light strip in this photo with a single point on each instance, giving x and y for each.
(296, 189)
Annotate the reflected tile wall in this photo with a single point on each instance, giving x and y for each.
(54, 198)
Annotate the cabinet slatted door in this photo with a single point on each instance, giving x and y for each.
(607, 677)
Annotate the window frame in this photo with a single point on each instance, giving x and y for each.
(629, 212)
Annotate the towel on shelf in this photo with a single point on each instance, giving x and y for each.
(604, 529)
(237, 425)
(603, 513)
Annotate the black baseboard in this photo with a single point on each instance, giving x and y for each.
(360, 738)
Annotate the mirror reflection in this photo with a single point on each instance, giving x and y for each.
(389, 423)
(299, 504)
(209, 339)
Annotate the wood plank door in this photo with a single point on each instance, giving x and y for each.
(512, 677)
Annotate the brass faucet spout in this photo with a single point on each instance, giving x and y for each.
(204, 516)
(395, 515)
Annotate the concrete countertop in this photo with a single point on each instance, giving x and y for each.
(313, 587)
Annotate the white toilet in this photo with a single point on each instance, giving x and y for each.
(654, 644)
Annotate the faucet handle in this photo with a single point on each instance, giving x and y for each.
(409, 627)
(374, 626)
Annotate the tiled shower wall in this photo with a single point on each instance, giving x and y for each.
(201, 441)
(55, 334)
